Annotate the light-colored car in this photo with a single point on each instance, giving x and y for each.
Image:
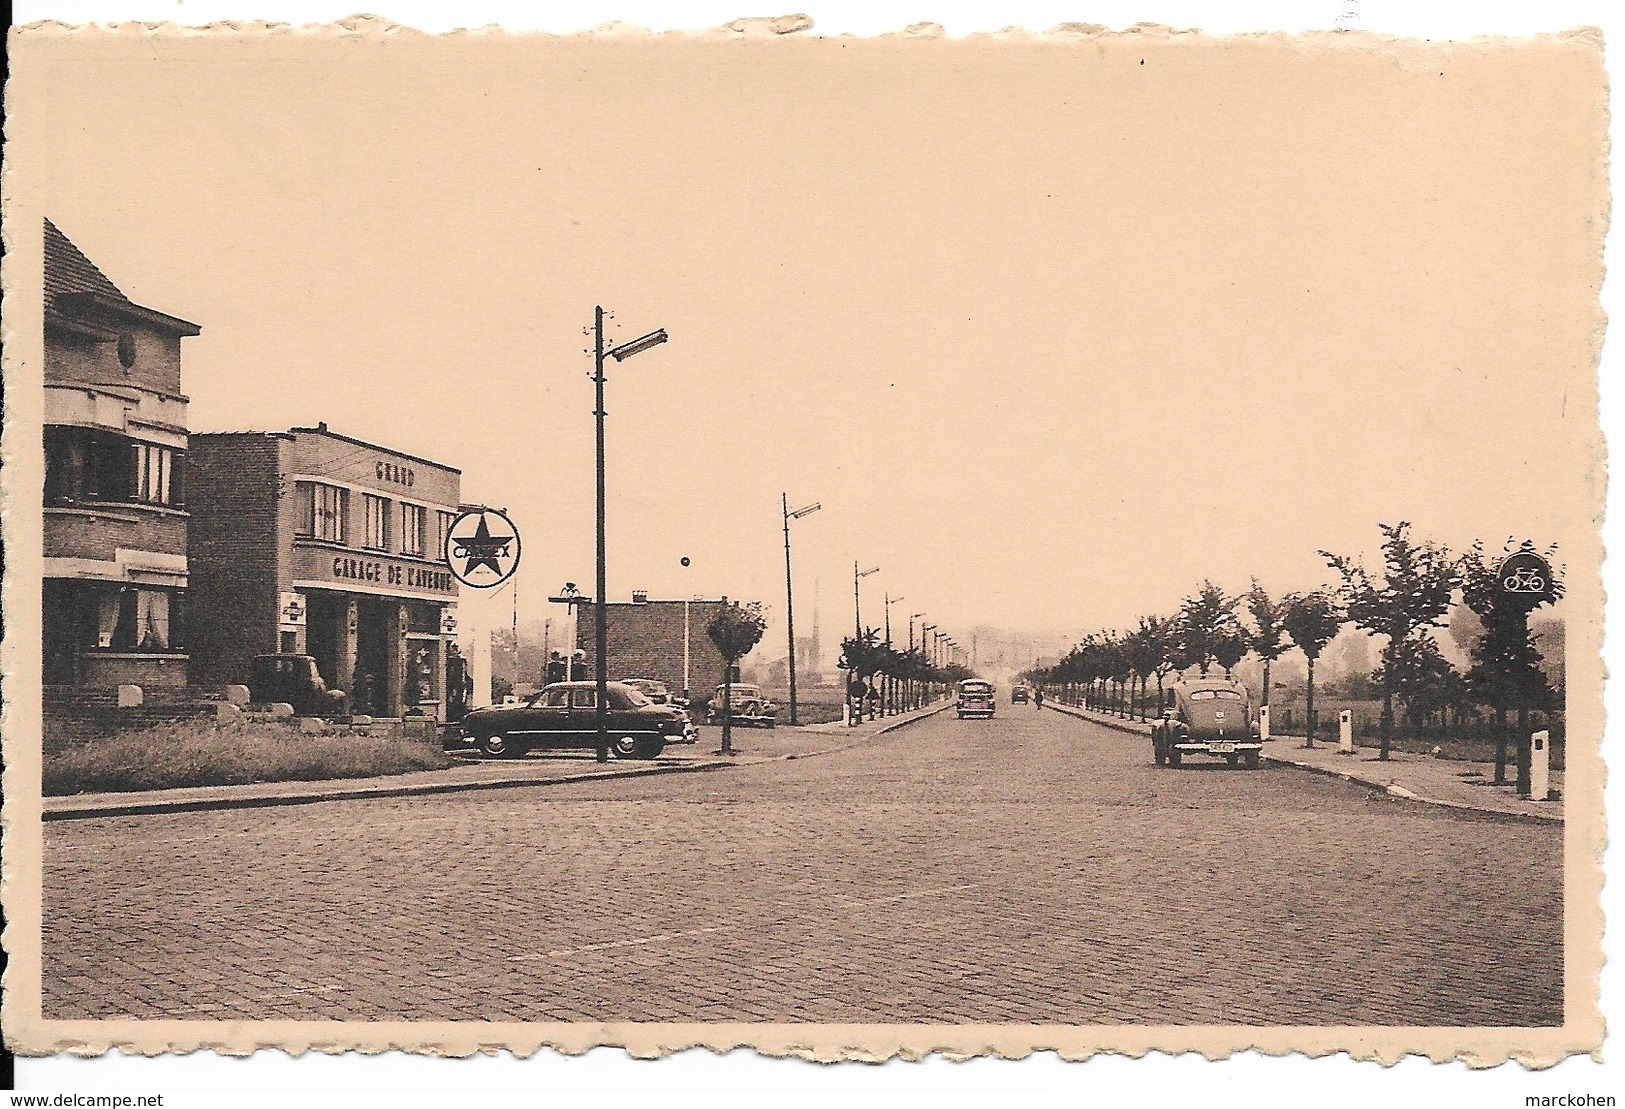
(749, 705)
(975, 699)
(656, 691)
(1207, 716)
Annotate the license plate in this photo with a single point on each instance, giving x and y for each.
(1221, 748)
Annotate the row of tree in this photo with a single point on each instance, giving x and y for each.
(892, 680)
(1414, 592)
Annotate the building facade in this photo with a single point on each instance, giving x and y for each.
(115, 508)
(311, 542)
(652, 639)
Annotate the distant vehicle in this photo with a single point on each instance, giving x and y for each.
(975, 699)
(658, 692)
(1019, 694)
(294, 680)
(565, 715)
(750, 707)
(1207, 716)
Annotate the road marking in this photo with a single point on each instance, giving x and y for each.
(666, 937)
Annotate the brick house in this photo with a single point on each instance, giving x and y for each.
(115, 518)
(647, 640)
(310, 542)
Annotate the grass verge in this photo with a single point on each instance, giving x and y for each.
(199, 753)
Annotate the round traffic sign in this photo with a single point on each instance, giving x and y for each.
(1524, 580)
(482, 548)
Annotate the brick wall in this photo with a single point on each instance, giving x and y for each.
(157, 364)
(235, 553)
(646, 641)
(97, 533)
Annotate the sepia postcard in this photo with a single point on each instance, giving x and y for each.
(854, 548)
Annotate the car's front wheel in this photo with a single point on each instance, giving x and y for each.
(1252, 760)
(637, 747)
(496, 746)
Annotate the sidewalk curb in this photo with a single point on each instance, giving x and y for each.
(1404, 794)
(266, 801)
(1396, 791)
(860, 740)
(160, 805)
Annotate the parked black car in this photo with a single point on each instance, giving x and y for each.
(565, 715)
(294, 680)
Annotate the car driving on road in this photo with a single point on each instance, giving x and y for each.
(1207, 716)
(1018, 695)
(975, 699)
(565, 715)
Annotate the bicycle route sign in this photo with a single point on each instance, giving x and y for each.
(1524, 580)
(482, 548)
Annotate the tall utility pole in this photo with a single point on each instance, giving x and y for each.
(601, 611)
(789, 594)
(620, 353)
(857, 605)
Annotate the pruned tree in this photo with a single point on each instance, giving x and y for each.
(1312, 621)
(1204, 621)
(1417, 672)
(1506, 672)
(1230, 650)
(735, 630)
(1266, 637)
(1413, 593)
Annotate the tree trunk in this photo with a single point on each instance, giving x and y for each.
(727, 710)
(1524, 753)
(1309, 706)
(1386, 725)
(1265, 699)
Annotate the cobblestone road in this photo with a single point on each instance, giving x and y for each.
(1034, 868)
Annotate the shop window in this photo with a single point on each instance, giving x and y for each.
(422, 619)
(322, 509)
(412, 529)
(377, 533)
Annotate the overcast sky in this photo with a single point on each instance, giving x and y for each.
(1052, 337)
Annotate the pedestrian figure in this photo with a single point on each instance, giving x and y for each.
(1038, 699)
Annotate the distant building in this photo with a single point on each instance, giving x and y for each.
(647, 638)
(310, 542)
(116, 573)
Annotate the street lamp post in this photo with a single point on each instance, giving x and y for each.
(857, 605)
(889, 704)
(925, 652)
(789, 592)
(856, 711)
(913, 684)
(620, 353)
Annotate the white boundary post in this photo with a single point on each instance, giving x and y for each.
(1345, 732)
(1264, 723)
(1540, 763)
